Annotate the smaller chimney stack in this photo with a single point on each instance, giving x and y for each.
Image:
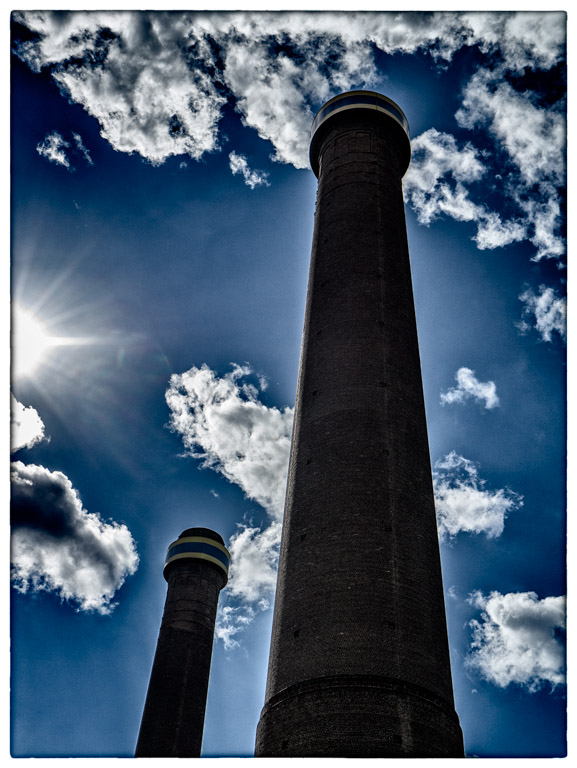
(196, 569)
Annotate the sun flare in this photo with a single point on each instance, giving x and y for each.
(30, 341)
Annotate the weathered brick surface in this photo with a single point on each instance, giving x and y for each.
(359, 594)
(173, 718)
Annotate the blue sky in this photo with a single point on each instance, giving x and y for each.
(162, 211)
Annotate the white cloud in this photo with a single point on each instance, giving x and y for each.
(58, 546)
(253, 564)
(144, 77)
(518, 639)
(435, 184)
(26, 427)
(463, 503)
(523, 39)
(545, 218)
(548, 309)
(82, 149)
(469, 386)
(436, 155)
(53, 148)
(157, 82)
(493, 232)
(533, 138)
(238, 164)
(277, 91)
(57, 150)
(222, 422)
(230, 620)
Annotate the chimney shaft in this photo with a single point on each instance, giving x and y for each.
(196, 569)
(359, 662)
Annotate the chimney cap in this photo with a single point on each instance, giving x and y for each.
(371, 100)
(206, 532)
(198, 544)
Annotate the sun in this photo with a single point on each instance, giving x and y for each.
(31, 342)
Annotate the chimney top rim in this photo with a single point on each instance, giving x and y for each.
(372, 101)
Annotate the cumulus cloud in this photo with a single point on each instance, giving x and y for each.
(464, 504)
(518, 639)
(157, 82)
(57, 150)
(529, 143)
(57, 546)
(53, 148)
(548, 310)
(239, 164)
(493, 232)
(525, 39)
(223, 423)
(436, 184)
(26, 427)
(254, 558)
(146, 78)
(468, 386)
(281, 68)
(253, 566)
(533, 136)
(230, 620)
(533, 139)
(436, 156)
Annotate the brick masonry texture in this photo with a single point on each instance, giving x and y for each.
(173, 718)
(359, 662)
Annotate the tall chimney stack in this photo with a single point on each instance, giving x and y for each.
(196, 569)
(359, 661)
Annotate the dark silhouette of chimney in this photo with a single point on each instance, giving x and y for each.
(359, 662)
(196, 569)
